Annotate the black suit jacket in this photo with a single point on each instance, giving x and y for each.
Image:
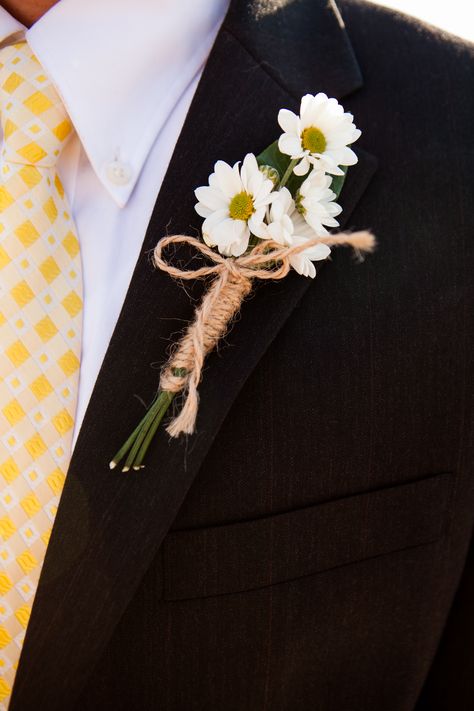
(303, 550)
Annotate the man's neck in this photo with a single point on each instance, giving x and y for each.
(27, 11)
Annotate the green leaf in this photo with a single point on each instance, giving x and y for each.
(338, 181)
(273, 157)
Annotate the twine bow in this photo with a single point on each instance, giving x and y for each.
(233, 278)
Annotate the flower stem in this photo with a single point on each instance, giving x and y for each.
(288, 173)
(137, 444)
(166, 400)
(128, 443)
(146, 424)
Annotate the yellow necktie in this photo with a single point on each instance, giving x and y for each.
(40, 337)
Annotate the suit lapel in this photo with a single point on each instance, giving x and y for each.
(109, 525)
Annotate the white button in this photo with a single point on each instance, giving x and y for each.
(119, 173)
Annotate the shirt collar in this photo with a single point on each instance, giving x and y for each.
(120, 67)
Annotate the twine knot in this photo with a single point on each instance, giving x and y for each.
(233, 278)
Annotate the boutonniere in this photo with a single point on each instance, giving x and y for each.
(262, 217)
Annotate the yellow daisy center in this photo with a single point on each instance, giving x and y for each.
(241, 206)
(313, 140)
(299, 204)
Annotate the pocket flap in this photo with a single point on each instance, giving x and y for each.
(254, 554)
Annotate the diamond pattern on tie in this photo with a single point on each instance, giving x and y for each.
(40, 332)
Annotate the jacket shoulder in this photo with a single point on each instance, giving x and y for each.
(376, 23)
(392, 32)
(410, 63)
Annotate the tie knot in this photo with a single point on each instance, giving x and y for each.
(34, 121)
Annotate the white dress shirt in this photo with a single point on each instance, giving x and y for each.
(127, 71)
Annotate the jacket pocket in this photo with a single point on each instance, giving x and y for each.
(274, 549)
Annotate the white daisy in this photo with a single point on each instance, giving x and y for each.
(320, 135)
(315, 202)
(302, 262)
(234, 205)
(286, 226)
(279, 227)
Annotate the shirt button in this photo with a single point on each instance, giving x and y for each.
(119, 173)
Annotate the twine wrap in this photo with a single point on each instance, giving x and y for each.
(233, 281)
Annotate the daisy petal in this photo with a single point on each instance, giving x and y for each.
(211, 198)
(202, 210)
(231, 237)
(239, 247)
(303, 266)
(258, 228)
(302, 167)
(333, 169)
(250, 171)
(317, 252)
(211, 222)
(306, 104)
(348, 157)
(290, 145)
(288, 121)
(228, 179)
